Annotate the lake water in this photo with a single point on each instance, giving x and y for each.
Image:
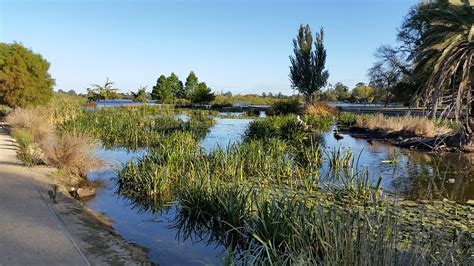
(412, 175)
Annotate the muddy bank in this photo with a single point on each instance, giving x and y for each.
(448, 143)
(92, 231)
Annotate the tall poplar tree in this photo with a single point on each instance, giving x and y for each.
(307, 71)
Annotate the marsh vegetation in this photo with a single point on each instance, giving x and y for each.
(280, 195)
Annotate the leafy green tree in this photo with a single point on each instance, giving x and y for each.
(449, 41)
(104, 92)
(141, 95)
(176, 86)
(92, 95)
(161, 92)
(341, 91)
(363, 93)
(24, 77)
(307, 70)
(202, 94)
(191, 85)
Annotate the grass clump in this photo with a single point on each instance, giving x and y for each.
(320, 109)
(287, 128)
(251, 112)
(135, 127)
(285, 107)
(27, 152)
(38, 141)
(346, 120)
(71, 153)
(31, 121)
(412, 125)
(4, 110)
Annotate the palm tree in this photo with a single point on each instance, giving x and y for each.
(448, 44)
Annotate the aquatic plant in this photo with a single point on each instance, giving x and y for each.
(252, 112)
(414, 125)
(319, 109)
(288, 128)
(346, 119)
(273, 225)
(285, 107)
(134, 127)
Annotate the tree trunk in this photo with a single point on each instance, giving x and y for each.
(469, 147)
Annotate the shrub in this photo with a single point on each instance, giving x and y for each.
(71, 153)
(27, 153)
(285, 107)
(252, 112)
(320, 109)
(63, 107)
(4, 110)
(281, 127)
(29, 120)
(346, 119)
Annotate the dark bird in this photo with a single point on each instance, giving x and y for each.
(337, 135)
(370, 141)
(53, 193)
(73, 193)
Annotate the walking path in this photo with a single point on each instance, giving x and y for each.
(30, 232)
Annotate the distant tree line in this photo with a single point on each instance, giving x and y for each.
(171, 90)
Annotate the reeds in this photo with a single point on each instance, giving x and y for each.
(135, 127)
(413, 125)
(263, 200)
(288, 128)
(27, 152)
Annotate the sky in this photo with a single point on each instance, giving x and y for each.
(241, 46)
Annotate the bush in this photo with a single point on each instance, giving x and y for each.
(281, 127)
(63, 107)
(320, 109)
(71, 153)
(4, 110)
(252, 112)
(285, 107)
(347, 119)
(30, 121)
(27, 153)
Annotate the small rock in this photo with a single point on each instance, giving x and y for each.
(409, 203)
(424, 201)
(85, 192)
(451, 180)
(470, 202)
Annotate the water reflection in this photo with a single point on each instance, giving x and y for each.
(177, 237)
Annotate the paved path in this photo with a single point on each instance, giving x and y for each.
(30, 233)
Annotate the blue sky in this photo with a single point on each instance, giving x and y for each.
(241, 46)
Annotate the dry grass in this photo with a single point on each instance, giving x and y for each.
(71, 153)
(320, 109)
(415, 125)
(31, 121)
(68, 152)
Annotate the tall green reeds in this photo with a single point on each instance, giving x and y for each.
(134, 127)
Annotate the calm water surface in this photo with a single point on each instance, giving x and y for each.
(411, 174)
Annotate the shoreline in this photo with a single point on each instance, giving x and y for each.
(90, 233)
(440, 143)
